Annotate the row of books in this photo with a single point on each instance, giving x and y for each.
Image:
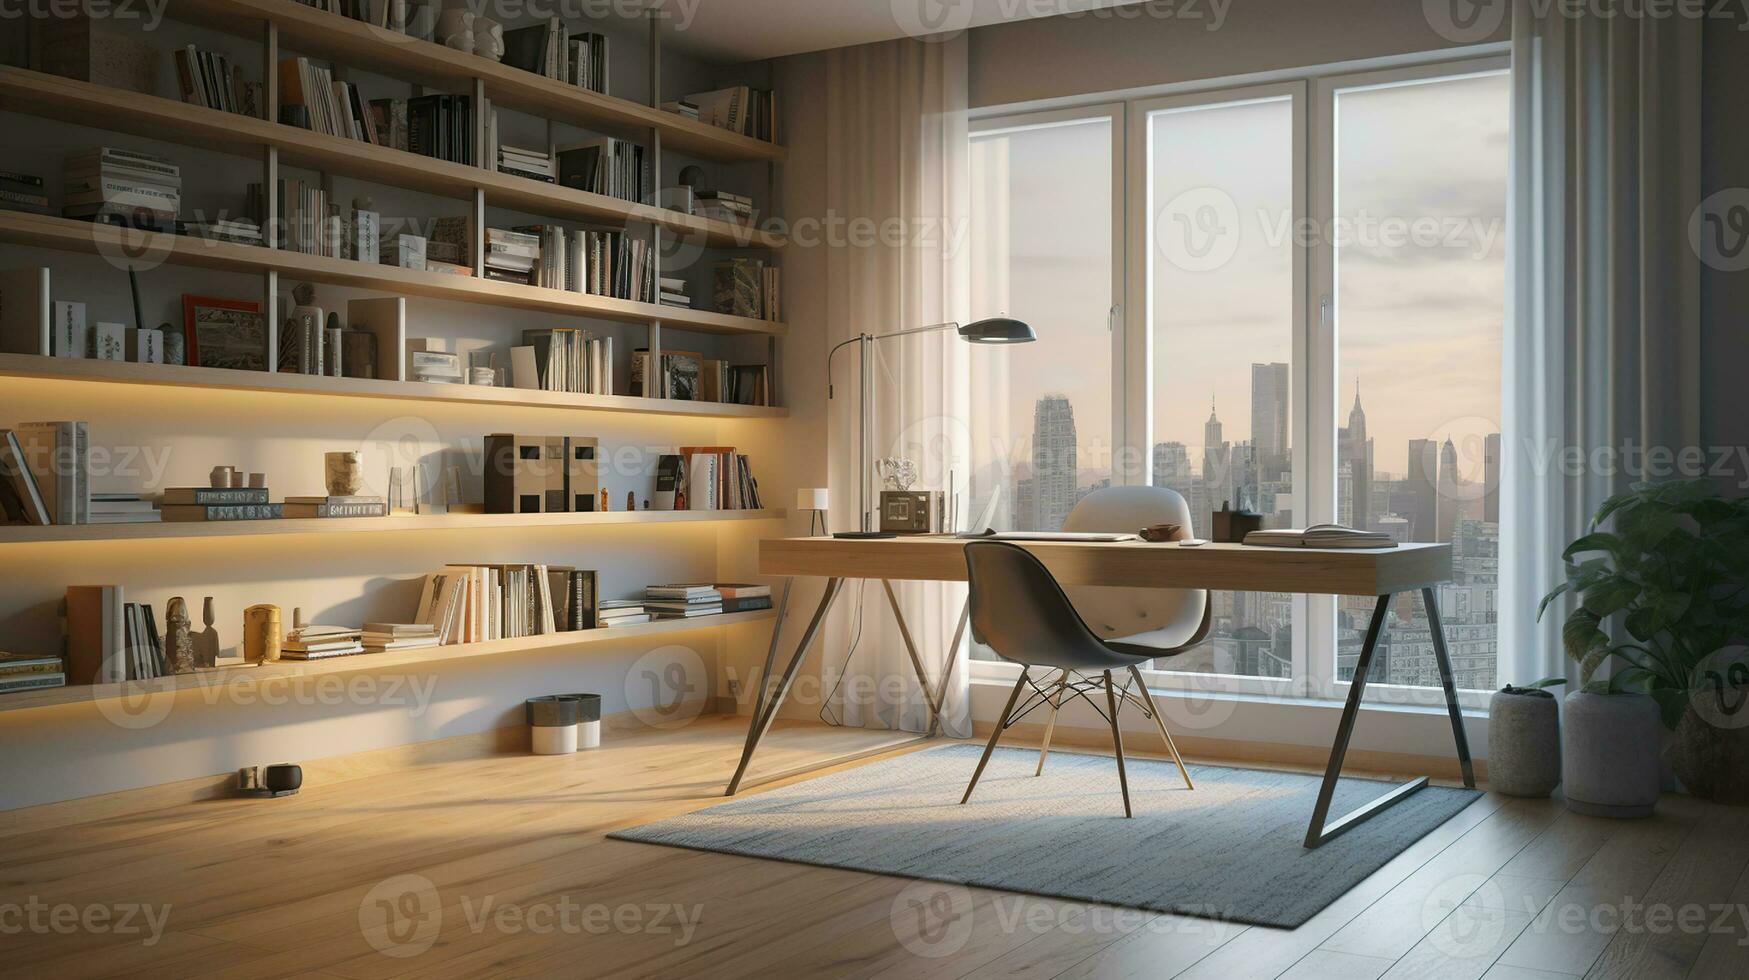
(467, 603)
(552, 51)
(691, 377)
(23, 192)
(605, 165)
(142, 190)
(514, 256)
(563, 359)
(308, 222)
(711, 478)
(737, 108)
(748, 287)
(45, 474)
(109, 640)
(311, 98)
(208, 79)
(23, 672)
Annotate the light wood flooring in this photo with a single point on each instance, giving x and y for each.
(498, 866)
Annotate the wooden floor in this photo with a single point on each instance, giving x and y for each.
(499, 867)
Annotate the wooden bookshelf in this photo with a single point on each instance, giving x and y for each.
(30, 534)
(145, 250)
(178, 376)
(306, 30)
(241, 674)
(85, 104)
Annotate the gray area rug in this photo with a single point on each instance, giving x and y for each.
(1230, 850)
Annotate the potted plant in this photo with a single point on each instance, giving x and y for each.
(1524, 740)
(1662, 594)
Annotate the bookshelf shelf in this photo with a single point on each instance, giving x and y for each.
(143, 250)
(149, 116)
(238, 674)
(28, 534)
(126, 372)
(348, 41)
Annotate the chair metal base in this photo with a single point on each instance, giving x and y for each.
(1323, 829)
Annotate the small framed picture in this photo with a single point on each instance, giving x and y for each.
(224, 333)
(684, 370)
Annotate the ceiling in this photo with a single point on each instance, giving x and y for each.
(751, 30)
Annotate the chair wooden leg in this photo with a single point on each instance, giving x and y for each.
(1123, 781)
(1001, 723)
(1153, 711)
(1051, 723)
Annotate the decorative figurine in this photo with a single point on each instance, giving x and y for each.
(258, 481)
(646, 503)
(206, 642)
(343, 473)
(220, 477)
(175, 345)
(604, 499)
(261, 634)
(178, 638)
(897, 472)
(631, 500)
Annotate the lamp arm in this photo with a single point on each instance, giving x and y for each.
(932, 328)
(833, 353)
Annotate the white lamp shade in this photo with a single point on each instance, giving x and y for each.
(811, 499)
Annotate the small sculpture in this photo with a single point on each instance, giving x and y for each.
(220, 477)
(646, 503)
(261, 634)
(897, 472)
(258, 481)
(604, 499)
(175, 345)
(206, 642)
(631, 500)
(343, 473)
(178, 638)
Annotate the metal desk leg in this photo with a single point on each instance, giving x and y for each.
(953, 659)
(1318, 833)
(770, 658)
(929, 699)
(761, 723)
(1431, 600)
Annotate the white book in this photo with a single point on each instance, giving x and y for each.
(70, 336)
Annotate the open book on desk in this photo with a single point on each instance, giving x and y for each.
(1320, 536)
(1050, 536)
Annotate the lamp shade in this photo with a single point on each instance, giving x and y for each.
(997, 330)
(811, 499)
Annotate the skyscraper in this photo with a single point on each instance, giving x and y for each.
(1423, 491)
(1451, 490)
(1269, 412)
(1053, 461)
(1354, 448)
(1172, 467)
(1217, 470)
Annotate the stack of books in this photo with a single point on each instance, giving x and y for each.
(19, 672)
(123, 187)
(673, 292)
(182, 504)
(237, 231)
(435, 367)
(322, 642)
(724, 206)
(606, 165)
(23, 192)
(533, 164)
(209, 79)
(563, 359)
(683, 108)
(122, 508)
(512, 256)
(744, 596)
(739, 109)
(310, 98)
(336, 507)
(398, 636)
(551, 263)
(622, 612)
(682, 601)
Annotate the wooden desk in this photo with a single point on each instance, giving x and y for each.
(1224, 567)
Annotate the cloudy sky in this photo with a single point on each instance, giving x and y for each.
(1420, 191)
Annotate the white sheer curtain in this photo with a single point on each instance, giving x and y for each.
(1602, 350)
(897, 179)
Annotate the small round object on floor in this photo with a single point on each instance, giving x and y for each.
(282, 778)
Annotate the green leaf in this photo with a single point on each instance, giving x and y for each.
(1595, 541)
(1580, 635)
(1547, 682)
(1672, 705)
(1596, 687)
(1591, 661)
(1612, 505)
(1610, 596)
(1559, 591)
(1644, 623)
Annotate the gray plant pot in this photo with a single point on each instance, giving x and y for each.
(1610, 754)
(1524, 742)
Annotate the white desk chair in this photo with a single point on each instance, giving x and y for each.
(1169, 620)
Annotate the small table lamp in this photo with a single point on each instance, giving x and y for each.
(813, 501)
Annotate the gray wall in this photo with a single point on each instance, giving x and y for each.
(1725, 295)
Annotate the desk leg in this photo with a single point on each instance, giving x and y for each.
(911, 651)
(1318, 833)
(1434, 623)
(770, 659)
(761, 723)
(953, 659)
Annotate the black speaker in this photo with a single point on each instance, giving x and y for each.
(282, 779)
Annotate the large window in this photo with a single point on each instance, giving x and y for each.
(1285, 298)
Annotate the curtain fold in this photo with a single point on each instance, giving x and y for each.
(1602, 360)
(897, 177)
